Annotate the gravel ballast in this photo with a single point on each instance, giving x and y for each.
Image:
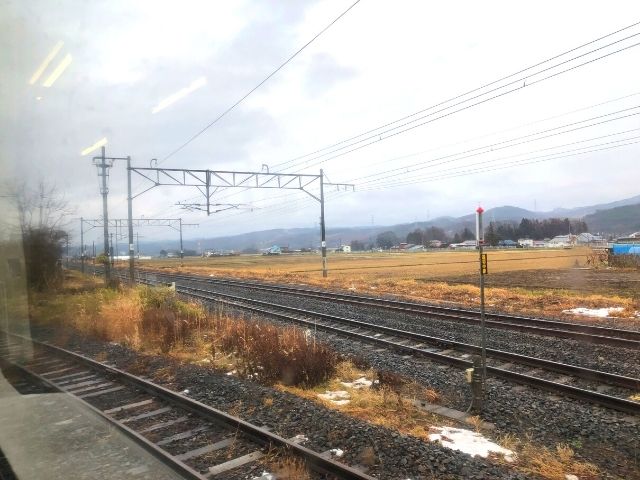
(396, 455)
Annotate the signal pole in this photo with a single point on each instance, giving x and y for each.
(483, 271)
(323, 240)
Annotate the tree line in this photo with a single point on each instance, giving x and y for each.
(533, 229)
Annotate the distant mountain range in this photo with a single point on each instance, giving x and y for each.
(618, 218)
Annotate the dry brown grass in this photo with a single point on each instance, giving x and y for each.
(288, 467)
(554, 464)
(380, 406)
(154, 320)
(549, 463)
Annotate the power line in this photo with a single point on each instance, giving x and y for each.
(386, 176)
(376, 136)
(200, 132)
(491, 134)
(490, 146)
(540, 159)
(500, 145)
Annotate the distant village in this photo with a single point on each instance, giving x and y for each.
(528, 234)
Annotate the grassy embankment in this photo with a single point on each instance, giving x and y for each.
(421, 276)
(155, 321)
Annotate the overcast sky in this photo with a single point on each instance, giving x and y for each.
(382, 61)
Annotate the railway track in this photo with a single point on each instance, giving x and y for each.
(587, 333)
(193, 439)
(569, 380)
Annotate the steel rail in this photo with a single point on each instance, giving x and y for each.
(164, 457)
(609, 401)
(264, 437)
(574, 370)
(577, 331)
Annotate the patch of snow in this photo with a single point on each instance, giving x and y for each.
(265, 476)
(232, 372)
(595, 312)
(571, 477)
(339, 397)
(185, 391)
(358, 384)
(468, 442)
(373, 288)
(211, 274)
(300, 439)
(353, 289)
(337, 452)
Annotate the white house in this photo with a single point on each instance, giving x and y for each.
(563, 241)
(587, 239)
(525, 242)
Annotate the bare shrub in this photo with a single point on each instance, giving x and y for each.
(271, 353)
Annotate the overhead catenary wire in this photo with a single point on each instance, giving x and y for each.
(392, 178)
(508, 143)
(272, 209)
(509, 129)
(515, 74)
(504, 166)
(503, 144)
(374, 136)
(287, 206)
(265, 80)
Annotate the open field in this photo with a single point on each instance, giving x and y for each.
(579, 280)
(423, 265)
(536, 282)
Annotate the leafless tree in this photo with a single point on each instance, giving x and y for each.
(43, 213)
(43, 207)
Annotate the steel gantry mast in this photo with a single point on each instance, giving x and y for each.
(118, 223)
(209, 182)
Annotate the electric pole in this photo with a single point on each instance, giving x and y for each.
(105, 215)
(130, 223)
(81, 246)
(181, 249)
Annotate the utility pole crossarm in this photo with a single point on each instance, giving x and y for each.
(223, 178)
(345, 186)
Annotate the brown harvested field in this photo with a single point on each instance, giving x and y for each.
(423, 265)
(536, 282)
(578, 280)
